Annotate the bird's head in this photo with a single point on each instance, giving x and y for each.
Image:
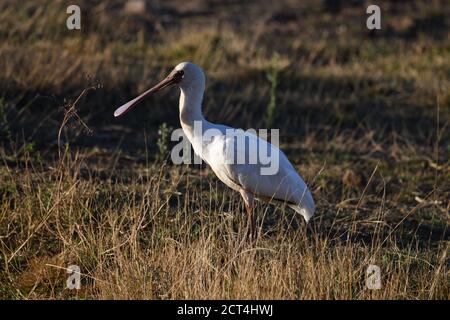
(193, 76)
(186, 75)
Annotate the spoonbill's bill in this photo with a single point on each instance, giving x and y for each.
(283, 185)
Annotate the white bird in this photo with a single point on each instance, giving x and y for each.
(284, 185)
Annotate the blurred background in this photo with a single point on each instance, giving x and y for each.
(310, 68)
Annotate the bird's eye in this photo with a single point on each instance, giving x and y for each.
(179, 75)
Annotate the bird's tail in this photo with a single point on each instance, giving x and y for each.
(306, 207)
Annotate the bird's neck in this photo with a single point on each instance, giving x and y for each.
(191, 109)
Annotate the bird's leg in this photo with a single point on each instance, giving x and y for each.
(251, 225)
(251, 222)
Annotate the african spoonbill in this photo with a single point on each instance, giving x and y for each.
(284, 185)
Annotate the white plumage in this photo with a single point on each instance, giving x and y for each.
(284, 185)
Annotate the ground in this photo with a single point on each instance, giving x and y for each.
(363, 115)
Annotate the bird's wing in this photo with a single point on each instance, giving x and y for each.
(268, 174)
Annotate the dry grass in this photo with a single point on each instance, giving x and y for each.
(365, 118)
(163, 233)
